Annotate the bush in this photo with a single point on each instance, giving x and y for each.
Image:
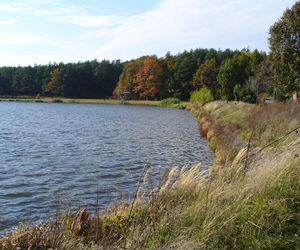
(57, 100)
(202, 95)
(169, 101)
(172, 103)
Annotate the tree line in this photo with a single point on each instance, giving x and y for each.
(148, 77)
(227, 74)
(91, 79)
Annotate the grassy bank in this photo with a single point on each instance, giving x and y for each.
(178, 105)
(250, 199)
(81, 101)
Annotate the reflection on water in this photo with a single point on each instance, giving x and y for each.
(63, 153)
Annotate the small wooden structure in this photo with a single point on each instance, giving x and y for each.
(124, 97)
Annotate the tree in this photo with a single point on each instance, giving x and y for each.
(184, 69)
(206, 76)
(143, 78)
(226, 80)
(284, 43)
(234, 71)
(150, 78)
(54, 87)
(169, 62)
(262, 81)
(127, 79)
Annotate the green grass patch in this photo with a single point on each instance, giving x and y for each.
(173, 103)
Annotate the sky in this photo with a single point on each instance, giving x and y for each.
(43, 31)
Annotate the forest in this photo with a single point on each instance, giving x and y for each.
(148, 77)
(91, 79)
(228, 74)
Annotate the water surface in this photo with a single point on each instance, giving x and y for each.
(58, 155)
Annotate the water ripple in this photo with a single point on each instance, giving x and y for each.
(60, 156)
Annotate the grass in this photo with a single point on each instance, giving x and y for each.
(181, 105)
(250, 200)
(81, 101)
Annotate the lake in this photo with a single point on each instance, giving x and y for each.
(54, 156)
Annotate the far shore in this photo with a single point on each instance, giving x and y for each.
(81, 101)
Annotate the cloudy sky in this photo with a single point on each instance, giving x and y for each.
(42, 31)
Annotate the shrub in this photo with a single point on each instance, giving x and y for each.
(72, 101)
(244, 94)
(202, 95)
(57, 100)
(172, 103)
(169, 101)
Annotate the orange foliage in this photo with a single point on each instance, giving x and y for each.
(144, 77)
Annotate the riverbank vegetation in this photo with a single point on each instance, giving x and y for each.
(250, 198)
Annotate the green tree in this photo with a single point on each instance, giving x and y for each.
(206, 76)
(236, 70)
(226, 79)
(285, 50)
(184, 69)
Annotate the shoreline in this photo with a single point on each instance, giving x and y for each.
(249, 199)
(79, 101)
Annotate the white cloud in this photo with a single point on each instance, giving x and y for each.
(39, 8)
(6, 22)
(56, 12)
(183, 24)
(84, 20)
(12, 7)
(50, 12)
(173, 25)
(11, 38)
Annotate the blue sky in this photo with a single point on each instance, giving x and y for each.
(42, 31)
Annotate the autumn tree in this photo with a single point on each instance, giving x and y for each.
(150, 78)
(127, 80)
(55, 85)
(143, 78)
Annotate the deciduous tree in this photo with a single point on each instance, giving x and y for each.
(285, 50)
(55, 85)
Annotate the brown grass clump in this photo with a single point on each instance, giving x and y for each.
(270, 122)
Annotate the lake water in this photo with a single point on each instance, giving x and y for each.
(54, 156)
